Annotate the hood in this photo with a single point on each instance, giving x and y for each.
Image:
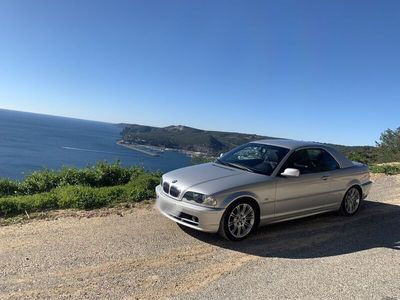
(195, 175)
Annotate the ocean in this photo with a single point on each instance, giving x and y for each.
(30, 142)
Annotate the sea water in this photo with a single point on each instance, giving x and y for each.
(30, 142)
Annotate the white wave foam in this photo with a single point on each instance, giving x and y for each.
(87, 150)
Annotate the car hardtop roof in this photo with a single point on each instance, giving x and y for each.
(344, 162)
(290, 144)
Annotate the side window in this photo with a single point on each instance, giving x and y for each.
(299, 160)
(327, 162)
(311, 161)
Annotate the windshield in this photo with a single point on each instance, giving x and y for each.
(254, 157)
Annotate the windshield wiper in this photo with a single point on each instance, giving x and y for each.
(234, 165)
(240, 167)
(218, 161)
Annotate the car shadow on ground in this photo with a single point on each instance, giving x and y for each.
(375, 225)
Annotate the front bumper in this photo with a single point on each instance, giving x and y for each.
(194, 216)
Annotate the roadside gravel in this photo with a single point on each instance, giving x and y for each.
(137, 254)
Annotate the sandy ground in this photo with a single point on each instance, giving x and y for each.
(138, 254)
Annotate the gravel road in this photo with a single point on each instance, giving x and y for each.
(138, 254)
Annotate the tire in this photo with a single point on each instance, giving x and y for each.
(351, 201)
(240, 219)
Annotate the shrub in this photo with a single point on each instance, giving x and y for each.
(29, 203)
(107, 175)
(73, 176)
(140, 187)
(36, 202)
(84, 197)
(100, 175)
(39, 182)
(389, 145)
(75, 197)
(9, 187)
(9, 205)
(388, 169)
(364, 155)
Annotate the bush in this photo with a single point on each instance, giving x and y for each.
(21, 204)
(388, 169)
(39, 181)
(36, 202)
(100, 175)
(8, 187)
(107, 175)
(389, 145)
(73, 176)
(140, 187)
(365, 155)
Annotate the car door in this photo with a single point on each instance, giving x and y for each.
(308, 193)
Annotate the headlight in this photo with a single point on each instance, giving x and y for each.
(192, 196)
(210, 201)
(200, 198)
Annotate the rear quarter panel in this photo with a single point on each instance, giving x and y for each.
(344, 178)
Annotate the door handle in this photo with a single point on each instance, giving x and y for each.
(324, 177)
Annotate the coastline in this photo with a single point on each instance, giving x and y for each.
(141, 148)
(156, 151)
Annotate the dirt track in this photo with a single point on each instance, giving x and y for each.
(143, 255)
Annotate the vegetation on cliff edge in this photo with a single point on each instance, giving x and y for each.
(88, 188)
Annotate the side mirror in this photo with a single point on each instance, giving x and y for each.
(221, 155)
(290, 172)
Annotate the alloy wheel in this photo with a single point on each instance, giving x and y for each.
(241, 220)
(352, 200)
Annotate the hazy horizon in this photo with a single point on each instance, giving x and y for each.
(152, 125)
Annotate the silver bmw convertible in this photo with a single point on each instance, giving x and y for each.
(262, 182)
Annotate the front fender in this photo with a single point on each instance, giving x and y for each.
(241, 194)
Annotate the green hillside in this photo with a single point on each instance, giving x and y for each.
(209, 142)
(186, 138)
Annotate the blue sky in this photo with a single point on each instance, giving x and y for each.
(314, 70)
